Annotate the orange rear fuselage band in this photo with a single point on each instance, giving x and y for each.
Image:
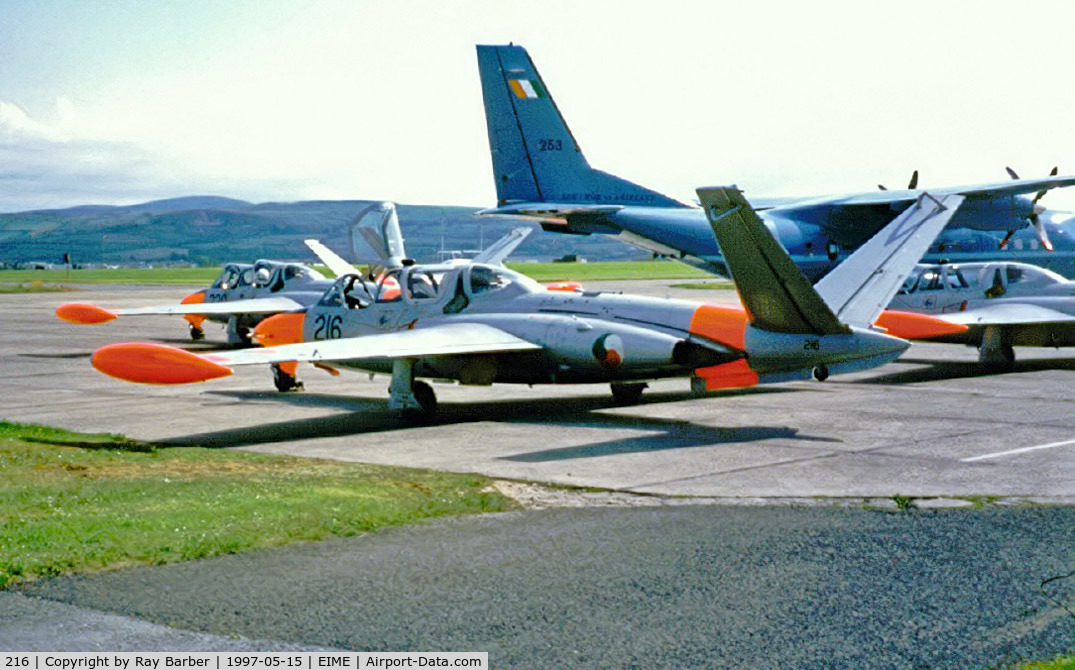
(726, 324)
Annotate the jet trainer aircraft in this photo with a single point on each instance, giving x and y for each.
(481, 324)
(240, 298)
(1004, 305)
(542, 175)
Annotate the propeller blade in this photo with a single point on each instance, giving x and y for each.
(1042, 192)
(882, 187)
(913, 184)
(1011, 173)
(1007, 238)
(1042, 235)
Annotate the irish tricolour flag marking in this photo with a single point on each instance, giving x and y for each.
(526, 88)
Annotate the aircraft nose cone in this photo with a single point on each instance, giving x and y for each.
(280, 329)
(195, 298)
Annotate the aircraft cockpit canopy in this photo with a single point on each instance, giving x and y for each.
(230, 276)
(486, 280)
(1020, 275)
(935, 278)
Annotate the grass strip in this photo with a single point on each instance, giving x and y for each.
(545, 272)
(72, 502)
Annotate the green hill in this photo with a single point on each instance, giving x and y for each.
(211, 229)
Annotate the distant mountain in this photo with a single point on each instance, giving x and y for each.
(213, 229)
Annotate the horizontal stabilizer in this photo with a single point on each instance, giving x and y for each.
(495, 253)
(775, 293)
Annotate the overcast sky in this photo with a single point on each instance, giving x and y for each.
(125, 101)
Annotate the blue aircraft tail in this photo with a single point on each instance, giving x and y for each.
(535, 156)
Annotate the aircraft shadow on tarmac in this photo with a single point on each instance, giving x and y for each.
(367, 416)
(933, 370)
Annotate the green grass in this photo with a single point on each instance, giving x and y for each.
(715, 285)
(613, 270)
(73, 502)
(31, 287)
(1058, 663)
(194, 276)
(544, 272)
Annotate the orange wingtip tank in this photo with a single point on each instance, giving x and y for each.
(82, 313)
(913, 326)
(280, 329)
(568, 286)
(147, 363)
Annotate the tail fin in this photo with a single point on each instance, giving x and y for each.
(375, 236)
(861, 287)
(495, 253)
(535, 156)
(775, 293)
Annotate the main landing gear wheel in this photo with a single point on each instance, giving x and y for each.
(196, 333)
(996, 352)
(628, 393)
(284, 381)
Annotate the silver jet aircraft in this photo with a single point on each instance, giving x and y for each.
(479, 324)
(240, 298)
(1004, 305)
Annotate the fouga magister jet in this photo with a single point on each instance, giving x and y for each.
(240, 298)
(243, 295)
(481, 324)
(542, 175)
(1004, 305)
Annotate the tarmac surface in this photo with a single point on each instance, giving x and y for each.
(652, 580)
(932, 424)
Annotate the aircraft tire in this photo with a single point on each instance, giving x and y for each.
(998, 359)
(628, 392)
(197, 334)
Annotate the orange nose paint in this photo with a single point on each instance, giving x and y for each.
(147, 363)
(82, 313)
(914, 326)
(195, 298)
(280, 329)
(726, 324)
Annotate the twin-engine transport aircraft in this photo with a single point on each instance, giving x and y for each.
(240, 298)
(481, 324)
(542, 175)
(1004, 305)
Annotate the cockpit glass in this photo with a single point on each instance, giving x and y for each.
(909, 284)
(227, 278)
(955, 278)
(1015, 274)
(423, 285)
(387, 287)
(246, 277)
(930, 281)
(484, 280)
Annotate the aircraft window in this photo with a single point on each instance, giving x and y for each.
(333, 297)
(484, 279)
(262, 276)
(422, 285)
(292, 271)
(955, 278)
(459, 301)
(1015, 274)
(227, 279)
(930, 281)
(387, 287)
(909, 284)
(246, 277)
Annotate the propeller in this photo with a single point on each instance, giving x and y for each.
(911, 185)
(1035, 211)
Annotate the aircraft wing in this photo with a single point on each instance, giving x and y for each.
(549, 212)
(1008, 314)
(83, 313)
(160, 364)
(885, 260)
(334, 262)
(896, 197)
